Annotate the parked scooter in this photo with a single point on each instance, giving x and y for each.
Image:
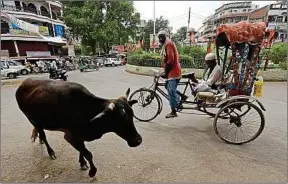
(57, 74)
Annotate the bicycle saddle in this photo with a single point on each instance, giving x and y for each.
(189, 75)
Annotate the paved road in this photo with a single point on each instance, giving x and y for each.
(185, 149)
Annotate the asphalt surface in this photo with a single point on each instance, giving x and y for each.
(184, 149)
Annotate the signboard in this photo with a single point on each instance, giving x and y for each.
(21, 24)
(22, 32)
(38, 53)
(22, 27)
(59, 30)
(154, 41)
(43, 30)
(118, 48)
(271, 26)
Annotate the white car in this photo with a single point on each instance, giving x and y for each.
(10, 73)
(112, 62)
(15, 65)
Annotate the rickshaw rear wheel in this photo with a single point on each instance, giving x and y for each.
(236, 122)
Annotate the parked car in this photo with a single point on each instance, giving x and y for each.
(112, 62)
(10, 73)
(100, 60)
(16, 65)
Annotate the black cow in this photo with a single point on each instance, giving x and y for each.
(69, 107)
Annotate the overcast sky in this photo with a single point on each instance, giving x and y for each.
(177, 11)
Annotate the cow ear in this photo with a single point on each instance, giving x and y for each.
(132, 102)
(111, 106)
(127, 92)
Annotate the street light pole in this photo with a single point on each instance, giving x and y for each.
(154, 33)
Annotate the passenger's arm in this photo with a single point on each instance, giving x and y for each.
(214, 76)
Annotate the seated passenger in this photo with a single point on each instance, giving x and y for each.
(212, 77)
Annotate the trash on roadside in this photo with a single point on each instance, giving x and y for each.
(46, 176)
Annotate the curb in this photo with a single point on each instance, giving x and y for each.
(14, 82)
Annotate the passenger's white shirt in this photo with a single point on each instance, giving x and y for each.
(213, 78)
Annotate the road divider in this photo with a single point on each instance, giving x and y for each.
(273, 75)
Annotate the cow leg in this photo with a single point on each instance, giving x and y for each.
(34, 136)
(79, 145)
(42, 136)
(83, 163)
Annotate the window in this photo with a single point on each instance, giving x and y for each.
(271, 19)
(275, 6)
(249, 10)
(12, 63)
(18, 5)
(24, 6)
(235, 11)
(284, 6)
(4, 65)
(4, 27)
(285, 20)
(32, 8)
(244, 10)
(279, 19)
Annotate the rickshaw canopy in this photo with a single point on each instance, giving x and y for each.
(242, 32)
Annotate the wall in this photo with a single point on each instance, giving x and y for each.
(31, 46)
(9, 45)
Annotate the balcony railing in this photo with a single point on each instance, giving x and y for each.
(30, 10)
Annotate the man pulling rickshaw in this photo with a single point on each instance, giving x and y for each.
(227, 86)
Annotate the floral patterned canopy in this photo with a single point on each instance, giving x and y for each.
(243, 32)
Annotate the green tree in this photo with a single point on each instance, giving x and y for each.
(101, 23)
(180, 35)
(160, 24)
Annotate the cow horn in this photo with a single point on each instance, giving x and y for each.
(132, 102)
(127, 92)
(111, 106)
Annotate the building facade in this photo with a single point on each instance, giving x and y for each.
(277, 19)
(227, 14)
(47, 15)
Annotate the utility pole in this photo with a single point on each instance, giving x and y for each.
(154, 34)
(189, 24)
(189, 17)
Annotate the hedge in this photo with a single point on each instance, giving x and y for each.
(155, 60)
(278, 53)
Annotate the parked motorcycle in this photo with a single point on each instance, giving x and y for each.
(58, 74)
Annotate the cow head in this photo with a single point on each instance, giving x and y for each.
(123, 120)
(120, 114)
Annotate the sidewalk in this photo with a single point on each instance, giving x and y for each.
(19, 79)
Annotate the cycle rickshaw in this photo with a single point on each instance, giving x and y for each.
(233, 100)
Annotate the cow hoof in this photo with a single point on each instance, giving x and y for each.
(41, 141)
(52, 156)
(84, 167)
(92, 172)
